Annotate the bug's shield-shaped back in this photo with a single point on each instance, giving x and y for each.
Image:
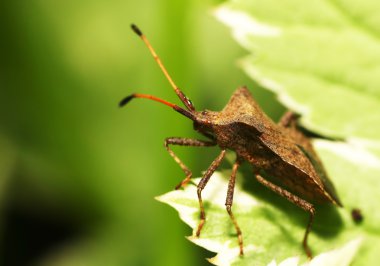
(242, 108)
(290, 145)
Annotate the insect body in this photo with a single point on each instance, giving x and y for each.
(280, 150)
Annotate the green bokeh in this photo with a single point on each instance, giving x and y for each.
(70, 156)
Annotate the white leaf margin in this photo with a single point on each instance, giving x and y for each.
(243, 25)
(342, 256)
(216, 195)
(211, 193)
(226, 255)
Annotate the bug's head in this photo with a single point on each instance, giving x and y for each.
(204, 122)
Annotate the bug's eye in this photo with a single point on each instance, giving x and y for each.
(204, 112)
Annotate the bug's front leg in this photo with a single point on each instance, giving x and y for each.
(185, 142)
(206, 177)
(229, 200)
(297, 201)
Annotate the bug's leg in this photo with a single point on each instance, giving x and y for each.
(295, 200)
(288, 119)
(185, 142)
(206, 177)
(229, 199)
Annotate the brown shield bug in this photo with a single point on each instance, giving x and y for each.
(280, 151)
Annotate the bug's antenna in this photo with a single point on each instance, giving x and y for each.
(184, 112)
(186, 101)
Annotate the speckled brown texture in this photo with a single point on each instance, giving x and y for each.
(281, 150)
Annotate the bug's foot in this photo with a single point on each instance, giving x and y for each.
(308, 252)
(241, 245)
(200, 226)
(241, 253)
(183, 183)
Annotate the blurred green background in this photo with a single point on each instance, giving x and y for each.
(78, 175)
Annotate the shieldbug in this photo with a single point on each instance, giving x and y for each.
(279, 150)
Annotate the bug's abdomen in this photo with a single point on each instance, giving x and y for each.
(282, 173)
(248, 146)
(296, 181)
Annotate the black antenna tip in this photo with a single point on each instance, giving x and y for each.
(136, 30)
(126, 100)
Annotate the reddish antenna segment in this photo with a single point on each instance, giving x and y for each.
(154, 98)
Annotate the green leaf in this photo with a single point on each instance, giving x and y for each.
(273, 228)
(321, 59)
(341, 256)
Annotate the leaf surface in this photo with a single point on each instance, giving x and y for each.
(322, 60)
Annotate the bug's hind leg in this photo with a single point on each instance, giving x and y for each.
(206, 177)
(297, 201)
(185, 142)
(229, 200)
(289, 119)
